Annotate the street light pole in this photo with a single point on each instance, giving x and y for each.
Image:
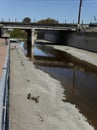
(79, 14)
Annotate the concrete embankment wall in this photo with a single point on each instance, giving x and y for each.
(50, 35)
(82, 40)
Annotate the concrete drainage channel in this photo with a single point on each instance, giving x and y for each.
(4, 94)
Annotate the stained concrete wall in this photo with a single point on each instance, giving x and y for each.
(82, 40)
(52, 35)
(40, 34)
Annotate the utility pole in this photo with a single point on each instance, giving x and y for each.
(79, 14)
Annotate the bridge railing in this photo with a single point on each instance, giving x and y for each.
(39, 24)
(4, 95)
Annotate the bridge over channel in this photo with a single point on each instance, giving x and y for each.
(59, 34)
(33, 29)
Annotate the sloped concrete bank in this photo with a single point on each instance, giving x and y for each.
(83, 55)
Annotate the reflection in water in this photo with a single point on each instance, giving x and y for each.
(23, 46)
(78, 79)
(80, 89)
(41, 51)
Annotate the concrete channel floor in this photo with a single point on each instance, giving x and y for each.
(36, 99)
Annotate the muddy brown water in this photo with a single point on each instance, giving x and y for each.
(78, 78)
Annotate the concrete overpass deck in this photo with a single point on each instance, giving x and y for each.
(39, 27)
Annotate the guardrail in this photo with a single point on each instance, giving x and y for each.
(4, 95)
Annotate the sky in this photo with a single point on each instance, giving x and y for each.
(61, 10)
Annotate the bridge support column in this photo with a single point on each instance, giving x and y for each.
(34, 36)
(29, 43)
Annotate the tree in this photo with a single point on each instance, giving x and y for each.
(47, 21)
(27, 20)
(17, 33)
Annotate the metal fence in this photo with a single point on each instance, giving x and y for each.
(4, 95)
